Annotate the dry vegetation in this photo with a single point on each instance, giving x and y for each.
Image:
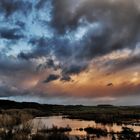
(11, 116)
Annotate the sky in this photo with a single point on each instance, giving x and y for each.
(70, 51)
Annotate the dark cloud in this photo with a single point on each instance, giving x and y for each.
(9, 7)
(11, 91)
(108, 25)
(119, 64)
(39, 42)
(104, 11)
(51, 78)
(21, 24)
(118, 31)
(40, 48)
(74, 69)
(110, 84)
(10, 34)
(62, 48)
(49, 64)
(6, 91)
(61, 20)
(126, 63)
(10, 65)
(108, 32)
(66, 78)
(41, 4)
(25, 56)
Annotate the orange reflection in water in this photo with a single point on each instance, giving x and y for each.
(59, 121)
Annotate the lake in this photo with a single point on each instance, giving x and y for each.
(60, 121)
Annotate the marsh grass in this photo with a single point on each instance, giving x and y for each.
(12, 118)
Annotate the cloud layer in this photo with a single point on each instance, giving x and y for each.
(68, 48)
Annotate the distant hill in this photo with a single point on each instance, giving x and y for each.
(8, 104)
(105, 105)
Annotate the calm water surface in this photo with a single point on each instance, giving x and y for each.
(59, 121)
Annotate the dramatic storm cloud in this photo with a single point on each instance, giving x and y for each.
(60, 50)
